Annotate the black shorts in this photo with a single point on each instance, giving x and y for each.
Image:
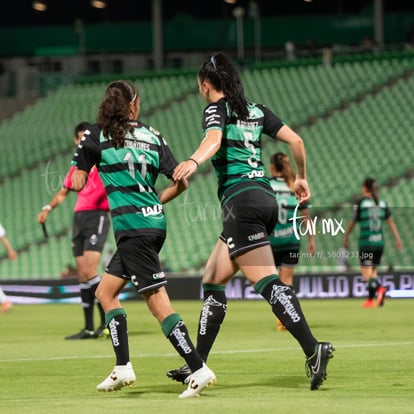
(369, 257)
(288, 258)
(249, 215)
(89, 231)
(136, 259)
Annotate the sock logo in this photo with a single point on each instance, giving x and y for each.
(279, 295)
(205, 313)
(114, 332)
(181, 339)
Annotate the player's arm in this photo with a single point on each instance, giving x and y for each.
(56, 200)
(297, 149)
(348, 231)
(86, 156)
(11, 253)
(79, 179)
(395, 233)
(173, 190)
(208, 147)
(311, 238)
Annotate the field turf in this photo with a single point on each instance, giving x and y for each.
(259, 370)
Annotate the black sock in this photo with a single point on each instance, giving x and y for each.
(175, 330)
(88, 301)
(211, 317)
(285, 305)
(372, 286)
(116, 321)
(99, 306)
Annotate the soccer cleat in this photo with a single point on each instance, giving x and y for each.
(317, 363)
(381, 295)
(83, 334)
(102, 332)
(369, 303)
(121, 376)
(280, 326)
(6, 306)
(197, 381)
(180, 374)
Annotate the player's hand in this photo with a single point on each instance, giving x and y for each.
(184, 170)
(42, 216)
(12, 254)
(302, 191)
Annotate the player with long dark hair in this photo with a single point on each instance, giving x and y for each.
(370, 212)
(233, 128)
(129, 156)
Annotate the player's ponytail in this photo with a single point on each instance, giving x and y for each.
(222, 74)
(282, 165)
(114, 112)
(372, 187)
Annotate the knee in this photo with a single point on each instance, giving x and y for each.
(99, 293)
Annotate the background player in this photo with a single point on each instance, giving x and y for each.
(370, 212)
(90, 226)
(285, 245)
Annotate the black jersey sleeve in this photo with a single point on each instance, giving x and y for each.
(271, 122)
(214, 116)
(167, 159)
(88, 152)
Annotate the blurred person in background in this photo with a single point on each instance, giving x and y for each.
(90, 226)
(370, 212)
(285, 245)
(6, 303)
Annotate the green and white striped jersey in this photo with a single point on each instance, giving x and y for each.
(129, 174)
(239, 158)
(283, 236)
(370, 217)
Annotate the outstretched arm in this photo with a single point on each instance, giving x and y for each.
(56, 200)
(173, 190)
(208, 147)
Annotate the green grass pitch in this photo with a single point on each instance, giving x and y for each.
(259, 370)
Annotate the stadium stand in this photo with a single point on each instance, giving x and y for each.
(355, 117)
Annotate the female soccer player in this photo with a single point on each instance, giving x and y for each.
(233, 129)
(285, 245)
(370, 212)
(129, 156)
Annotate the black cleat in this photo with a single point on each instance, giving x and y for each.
(83, 334)
(179, 374)
(316, 364)
(102, 332)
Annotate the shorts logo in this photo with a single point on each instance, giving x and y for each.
(256, 236)
(157, 276)
(230, 243)
(134, 280)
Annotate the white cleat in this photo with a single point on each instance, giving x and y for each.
(197, 381)
(121, 376)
